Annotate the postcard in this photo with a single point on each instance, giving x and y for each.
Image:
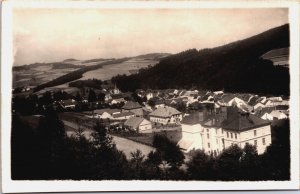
(149, 96)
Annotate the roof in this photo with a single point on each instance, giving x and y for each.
(239, 122)
(123, 114)
(227, 97)
(164, 112)
(131, 105)
(185, 144)
(134, 122)
(282, 107)
(193, 119)
(110, 111)
(252, 101)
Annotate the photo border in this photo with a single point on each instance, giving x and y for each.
(9, 185)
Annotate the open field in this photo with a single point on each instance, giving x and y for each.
(108, 71)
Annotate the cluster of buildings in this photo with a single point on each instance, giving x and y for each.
(210, 120)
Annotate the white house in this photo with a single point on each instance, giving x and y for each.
(139, 125)
(241, 128)
(165, 115)
(216, 132)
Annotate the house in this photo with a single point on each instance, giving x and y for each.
(203, 131)
(165, 115)
(134, 107)
(215, 132)
(241, 128)
(123, 115)
(139, 125)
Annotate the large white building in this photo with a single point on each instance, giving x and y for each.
(215, 132)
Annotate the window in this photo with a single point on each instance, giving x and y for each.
(216, 131)
(208, 136)
(235, 135)
(263, 141)
(217, 141)
(231, 135)
(207, 130)
(254, 132)
(227, 134)
(208, 145)
(255, 142)
(222, 131)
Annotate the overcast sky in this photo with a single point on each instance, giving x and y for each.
(49, 35)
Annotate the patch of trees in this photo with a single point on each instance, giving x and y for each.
(91, 83)
(47, 153)
(235, 67)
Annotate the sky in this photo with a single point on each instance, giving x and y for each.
(51, 35)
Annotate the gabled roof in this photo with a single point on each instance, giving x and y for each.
(134, 122)
(227, 97)
(239, 122)
(131, 105)
(164, 112)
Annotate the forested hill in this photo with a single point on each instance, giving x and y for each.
(235, 67)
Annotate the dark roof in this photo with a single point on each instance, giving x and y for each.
(164, 112)
(282, 107)
(239, 122)
(134, 122)
(131, 105)
(227, 97)
(253, 100)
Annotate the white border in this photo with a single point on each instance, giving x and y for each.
(61, 186)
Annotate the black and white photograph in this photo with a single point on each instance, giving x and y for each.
(169, 95)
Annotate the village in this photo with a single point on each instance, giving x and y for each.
(207, 120)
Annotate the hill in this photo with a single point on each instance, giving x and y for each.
(235, 67)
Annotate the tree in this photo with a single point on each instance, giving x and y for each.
(101, 139)
(250, 163)
(92, 97)
(228, 163)
(137, 165)
(168, 150)
(200, 167)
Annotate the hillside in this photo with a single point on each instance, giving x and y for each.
(235, 67)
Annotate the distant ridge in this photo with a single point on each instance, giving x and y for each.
(235, 67)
